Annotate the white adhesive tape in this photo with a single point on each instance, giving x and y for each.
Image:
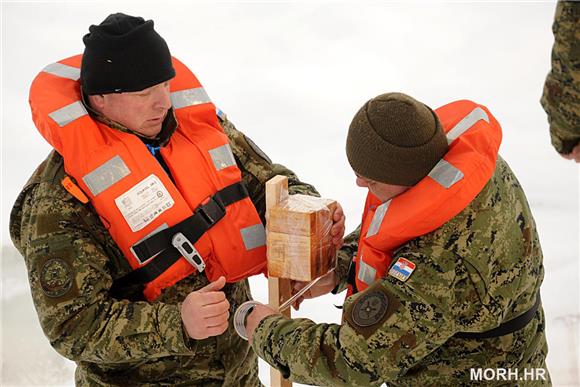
(240, 317)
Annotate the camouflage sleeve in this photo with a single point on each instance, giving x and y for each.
(257, 168)
(561, 97)
(344, 257)
(388, 328)
(69, 275)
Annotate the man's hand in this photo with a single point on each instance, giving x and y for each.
(322, 287)
(574, 155)
(259, 313)
(337, 230)
(205, 312)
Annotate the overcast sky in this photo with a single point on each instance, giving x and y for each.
(292, 74)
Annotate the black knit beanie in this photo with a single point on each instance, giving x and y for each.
(124, 53)
(395, 139)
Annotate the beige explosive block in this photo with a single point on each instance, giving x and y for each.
(298, 257)
(301, 215)
(299, 241)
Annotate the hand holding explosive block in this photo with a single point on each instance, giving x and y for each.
(299, 240)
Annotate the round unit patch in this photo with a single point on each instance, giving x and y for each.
(56, 277)
(370, 309)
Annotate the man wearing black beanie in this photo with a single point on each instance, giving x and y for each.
(125, 57)
(149, 204)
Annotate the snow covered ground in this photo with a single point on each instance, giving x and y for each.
(291, 75)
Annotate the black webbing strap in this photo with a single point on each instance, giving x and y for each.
(149, 272)
(351, 276)
(506, 328)
(204, 218)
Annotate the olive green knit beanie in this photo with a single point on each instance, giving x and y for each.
(395, 139)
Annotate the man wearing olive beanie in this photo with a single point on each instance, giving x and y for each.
(395, 139)
(445, 281)
(144, 135)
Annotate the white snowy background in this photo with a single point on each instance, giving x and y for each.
(291, 75)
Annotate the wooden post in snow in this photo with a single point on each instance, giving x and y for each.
(278, 288)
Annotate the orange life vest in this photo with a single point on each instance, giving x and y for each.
(166, 229)
(474, 137)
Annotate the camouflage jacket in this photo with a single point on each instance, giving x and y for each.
(561, 97)
(482, 268)
(124, 340)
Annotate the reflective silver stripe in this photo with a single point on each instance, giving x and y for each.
(189, 97)
(222, 157)
(68, 114)
(254, 236)
(467, 122)
(366, 273)
(106, 175)
(445, 174)
(378, 218)
(63, 71)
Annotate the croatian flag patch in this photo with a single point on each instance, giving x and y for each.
(402, 269)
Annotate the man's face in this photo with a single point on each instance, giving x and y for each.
(141, 111)
(382, 191)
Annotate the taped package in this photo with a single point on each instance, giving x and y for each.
(299, 240)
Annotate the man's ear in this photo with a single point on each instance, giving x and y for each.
(97, 101)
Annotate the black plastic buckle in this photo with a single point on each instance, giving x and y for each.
(213, 210)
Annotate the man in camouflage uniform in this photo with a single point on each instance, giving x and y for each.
(561, 98)
(120, 338)
(455, 314)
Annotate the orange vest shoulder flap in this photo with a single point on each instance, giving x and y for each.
(474, 137)
(137, 200)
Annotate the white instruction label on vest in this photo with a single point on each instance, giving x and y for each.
(144, 202)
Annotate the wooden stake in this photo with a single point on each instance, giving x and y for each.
(278, 288)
